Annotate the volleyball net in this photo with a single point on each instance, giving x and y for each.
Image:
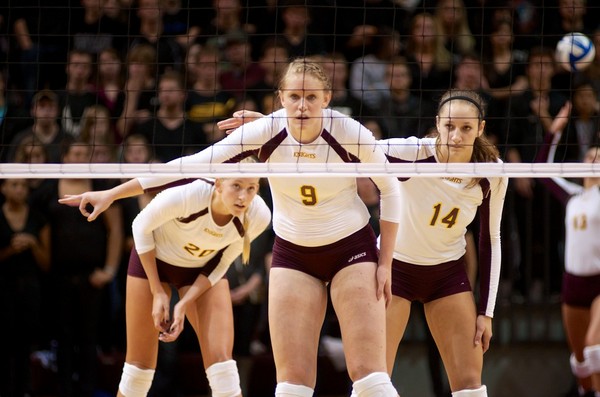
(389, 62)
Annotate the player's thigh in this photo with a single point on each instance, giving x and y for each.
(297, 303)
(211, 316)
(452, 321)
(142, 337)
(362, 318)
(397, 315)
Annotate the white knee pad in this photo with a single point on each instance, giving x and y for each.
(135, 382)
(591, 355)
(377, 384)
(580, 369)
(285, 389)
(224, 379)
(480, 392)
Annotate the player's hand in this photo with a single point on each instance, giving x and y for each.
(559, 123)
(176, 326)
(100, 201)
(384, 284)
(239, 118)
(160, 311)
(483, 333)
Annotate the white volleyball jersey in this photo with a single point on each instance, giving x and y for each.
(436, 212)
(308, 211)
(178, 223)
(582, 225)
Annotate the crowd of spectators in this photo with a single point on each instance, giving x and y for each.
(139, 81)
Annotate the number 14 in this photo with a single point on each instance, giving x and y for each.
(449, 220)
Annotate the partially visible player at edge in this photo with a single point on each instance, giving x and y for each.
(322, 233)
(187, 237)
(580, 290)
(429, 258)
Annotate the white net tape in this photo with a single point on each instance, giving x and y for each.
(178, 170)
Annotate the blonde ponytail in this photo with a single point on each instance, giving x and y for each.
(246, 248)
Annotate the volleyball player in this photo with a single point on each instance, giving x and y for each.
(581, 278)
(187, 237)
(322, 233)
(429, 256)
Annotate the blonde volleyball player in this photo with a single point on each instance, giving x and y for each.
(429, 257)
(187, 237)
(322, 233)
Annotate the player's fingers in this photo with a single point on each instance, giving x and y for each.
(478, 336)
(82, 208)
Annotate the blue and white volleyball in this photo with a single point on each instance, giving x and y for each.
(575, 52)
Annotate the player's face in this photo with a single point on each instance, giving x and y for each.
(592, 156)
(458, 125)
(304, 99)
(237, 193)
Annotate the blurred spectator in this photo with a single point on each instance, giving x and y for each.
(241, 75)
(41, 42)
(207, 102)
(583, 127)
(97, 132)
(273, 59)
(531, 116)
(170, 133)
(13, 118)
(24, 255)
(504, 70)
(140, 89)
(191, 67)
(44, 111)
(296, 29)
(368, 73)
(592, 73)
(109, 82)
(180, 22)
(453, 26)
(404, 114)
(358, 23)
(78, 93)
(32, 151)
(169, 55)
(79, 273)
(430, 61)
(92, 31)
(226, 16)
(336, 66)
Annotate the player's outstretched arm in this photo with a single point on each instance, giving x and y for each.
(102, 199)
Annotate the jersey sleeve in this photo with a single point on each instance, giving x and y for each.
(166, 206)
(247, 139)
(490, 252)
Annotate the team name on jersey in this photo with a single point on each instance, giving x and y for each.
(212, 232)
(306, 155)
(453, 179)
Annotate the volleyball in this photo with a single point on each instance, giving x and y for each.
(575, 52)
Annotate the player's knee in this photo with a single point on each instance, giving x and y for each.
(591, 355)
(224, 379)
(377, 384)
(579, 368)
(135, 382)
(480, 392)
(285, 389)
